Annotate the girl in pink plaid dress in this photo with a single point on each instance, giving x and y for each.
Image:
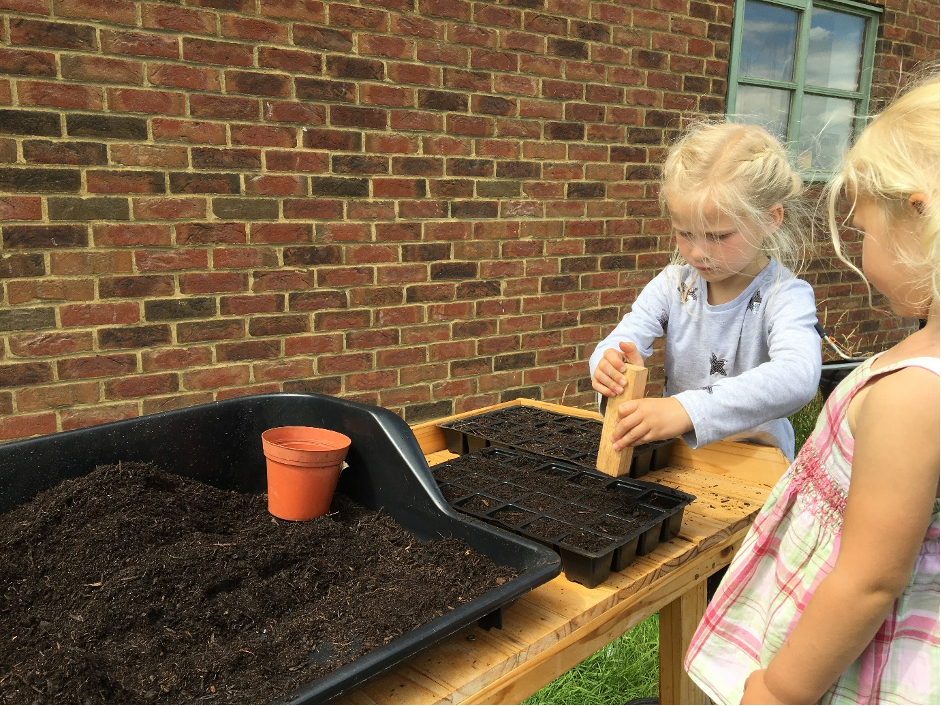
(834, 595)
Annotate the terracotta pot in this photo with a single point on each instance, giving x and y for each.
(303, 468)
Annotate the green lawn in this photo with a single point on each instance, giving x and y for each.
(628, 667)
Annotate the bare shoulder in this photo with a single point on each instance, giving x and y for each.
(903, 407)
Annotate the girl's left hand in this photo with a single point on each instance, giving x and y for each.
(650, 419)
(755, 690)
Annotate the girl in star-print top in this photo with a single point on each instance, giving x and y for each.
(741, 349)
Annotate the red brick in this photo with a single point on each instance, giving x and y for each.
(20, 208)
(283, 370)
(142, 386)
(276, 185)
(23, 291)
(216, 377)
(90, 263)
(189, 77)
(293, 112)
(32, 399)
(30, 345)
(282, 280)
(159, 208)
(344, 363)
(21, 426)
(101, 69)
(313, 344)
(140, 43)
(78, 367)
(192, 131)
(35, 7)
(60, 95)
(101, 181)
(156, 261)
(100, 414)
(181, 19)
(281, 233)
(307, 10)
(149, 156)
(28, 63)
(213, 52)
(293, 60)
(176, 358)
(254, 29)
(99, 314)
(111, 11)
(236, 258)
(240, 305)
(213, 282)
(136, 101)
(259, 389)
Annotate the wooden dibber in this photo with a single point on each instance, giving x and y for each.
(618, 463)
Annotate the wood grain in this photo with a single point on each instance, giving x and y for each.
(618, 463)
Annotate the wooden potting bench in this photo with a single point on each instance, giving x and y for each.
(559, 624)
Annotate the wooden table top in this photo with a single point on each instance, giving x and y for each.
(560, 623)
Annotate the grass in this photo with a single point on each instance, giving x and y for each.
(628, 668)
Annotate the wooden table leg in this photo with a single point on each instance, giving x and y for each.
(678, 622)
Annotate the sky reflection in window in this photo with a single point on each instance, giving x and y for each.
(768, 42)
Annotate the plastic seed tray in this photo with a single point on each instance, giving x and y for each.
(220, 443)
(596, 523)
(540, 431)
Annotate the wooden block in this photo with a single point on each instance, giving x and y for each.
(618, 463)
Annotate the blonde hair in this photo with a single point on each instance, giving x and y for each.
(897, 155)
(743, 172)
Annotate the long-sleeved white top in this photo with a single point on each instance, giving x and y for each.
(740, 368)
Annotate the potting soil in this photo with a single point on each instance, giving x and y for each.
(132, 585)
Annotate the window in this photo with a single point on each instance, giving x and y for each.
(802, 69)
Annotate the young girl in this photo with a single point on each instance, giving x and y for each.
(833, 596)
(741, 349)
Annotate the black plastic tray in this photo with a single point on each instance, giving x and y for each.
(547, 433)
(220, 444)
(562, 504)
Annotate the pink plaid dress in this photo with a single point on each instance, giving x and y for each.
(790, 549)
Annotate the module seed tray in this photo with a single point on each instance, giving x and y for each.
(547, 433)
(596, 523)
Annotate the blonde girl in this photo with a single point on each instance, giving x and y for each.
(834, 596)
(741, 350)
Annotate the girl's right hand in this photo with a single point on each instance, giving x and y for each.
(609, 377)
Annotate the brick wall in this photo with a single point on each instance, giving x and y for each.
(429, 205)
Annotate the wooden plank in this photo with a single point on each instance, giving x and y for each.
(618, 463)
(678, 622)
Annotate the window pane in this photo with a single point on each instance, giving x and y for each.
(835, 50)
(768, 107)
(826, 126)
(769, 36)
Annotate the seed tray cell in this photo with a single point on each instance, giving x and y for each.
(596, 523)
(566, 437)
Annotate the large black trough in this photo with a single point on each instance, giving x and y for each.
(220, 444)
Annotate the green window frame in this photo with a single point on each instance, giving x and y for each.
(797, 87)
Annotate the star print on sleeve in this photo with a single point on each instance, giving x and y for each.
(663, 319)
(717, 365)
(754, 304)
(708, 388)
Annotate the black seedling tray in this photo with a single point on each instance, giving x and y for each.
(547, 433)
(220, 444)
(595, 522)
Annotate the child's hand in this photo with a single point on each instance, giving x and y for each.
(609, 377)
(756, 692)
(651, 419)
